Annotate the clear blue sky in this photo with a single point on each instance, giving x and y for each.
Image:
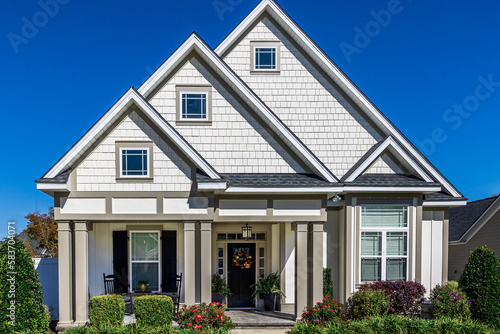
(60, 77)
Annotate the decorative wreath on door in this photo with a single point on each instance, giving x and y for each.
(242, 260)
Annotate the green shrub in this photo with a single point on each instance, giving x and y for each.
(327, 283)
(449, 301)
(324, 312)
(481, 282)
(154, 311)
(21, 297)
(365, 304)
(106, 310)
(395, 325)
(219, 285)
(205, 317)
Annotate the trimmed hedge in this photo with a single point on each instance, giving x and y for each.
(106, 310)
(449, 301)
(21, 296)
(396, 325)
(405, 297)
(481, 282)
(365, 304)
(327, 283)
(154, 311)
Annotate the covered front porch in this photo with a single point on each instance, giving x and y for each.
(197, 249)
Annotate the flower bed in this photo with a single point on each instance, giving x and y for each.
(205, 316)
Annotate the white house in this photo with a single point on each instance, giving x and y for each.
(264, 131)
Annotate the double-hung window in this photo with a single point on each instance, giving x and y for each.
(145, 259)
(384, 243)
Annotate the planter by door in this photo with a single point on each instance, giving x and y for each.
(217, 297)
(239, 280)
(270, 301)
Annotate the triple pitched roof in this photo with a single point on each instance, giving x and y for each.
(395, 143)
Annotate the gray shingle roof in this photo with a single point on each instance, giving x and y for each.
(441, 196)
(389, 180)
(462, 218)
(59, 178)
(268, 179)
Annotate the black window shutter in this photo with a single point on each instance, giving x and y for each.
(169, 256)
(120, 261)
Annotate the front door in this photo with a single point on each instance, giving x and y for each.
(240, 278)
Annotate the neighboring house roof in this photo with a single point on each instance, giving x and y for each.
(35, 244)
(465, 219)
(340, 78)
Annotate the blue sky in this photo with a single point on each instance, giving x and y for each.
(431, 67)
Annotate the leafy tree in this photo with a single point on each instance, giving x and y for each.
(21, 297)
(43, 228)
(481, 282)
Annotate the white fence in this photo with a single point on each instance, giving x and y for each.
(48, 271)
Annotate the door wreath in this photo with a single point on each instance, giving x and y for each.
(242, 260)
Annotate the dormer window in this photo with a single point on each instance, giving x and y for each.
(134, 161)
(265, 57)
(194, 104)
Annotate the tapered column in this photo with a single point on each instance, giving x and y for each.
(81, 273)
(316, 263)
(65, 275)
(189, 263)
(206, 263)
(301, 271)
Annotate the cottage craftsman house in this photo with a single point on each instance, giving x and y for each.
(264, 132)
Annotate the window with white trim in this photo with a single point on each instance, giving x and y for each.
(194, 105)
(265, 56)
(145, 259)
(384, 243)
(134, 162)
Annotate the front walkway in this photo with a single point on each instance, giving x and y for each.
(255, 319)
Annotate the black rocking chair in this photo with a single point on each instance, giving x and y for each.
(173, 289)
(109, 288)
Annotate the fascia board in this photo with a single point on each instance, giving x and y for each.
(338, 76)
(395, 189)
(212, 186)
(283, 190)
(52, 186)
(448, 204)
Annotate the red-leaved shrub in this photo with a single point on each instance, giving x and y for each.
(323, 312)
(405, 297)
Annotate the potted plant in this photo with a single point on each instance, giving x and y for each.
(219, 289)
(143, 285)
(269, 289)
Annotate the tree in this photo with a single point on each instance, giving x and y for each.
(481, 282)
(21, 296)
(43, 229)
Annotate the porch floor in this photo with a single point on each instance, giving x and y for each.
(257, 318)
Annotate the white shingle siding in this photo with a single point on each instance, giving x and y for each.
(235, 142)
(98, 171)
(384, 165)
(303, 99)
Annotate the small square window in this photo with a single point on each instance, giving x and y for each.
(194, 106)
(134, 162)
(265, 58)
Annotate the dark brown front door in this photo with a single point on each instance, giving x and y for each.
(240, 280)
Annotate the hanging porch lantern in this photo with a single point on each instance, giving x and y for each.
(246, 231)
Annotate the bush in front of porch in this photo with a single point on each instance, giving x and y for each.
(106, 310)
(205, 317)
(154, 311)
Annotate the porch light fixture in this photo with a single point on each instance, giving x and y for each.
(246, 231)
(337, 198)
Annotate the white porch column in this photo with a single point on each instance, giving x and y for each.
(65, 275)
(189, 263)
(316, 263)
(81, 273)
(206, 264)
(301, 271)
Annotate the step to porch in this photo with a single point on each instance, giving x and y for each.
(261, 330)
(257, 319)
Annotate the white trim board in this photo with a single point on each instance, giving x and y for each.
(334, 72)
(195, 43)
(388, 144)
(131, 96)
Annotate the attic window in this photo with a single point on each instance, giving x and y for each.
(134, 161)
(194, 104)
(265, 57)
